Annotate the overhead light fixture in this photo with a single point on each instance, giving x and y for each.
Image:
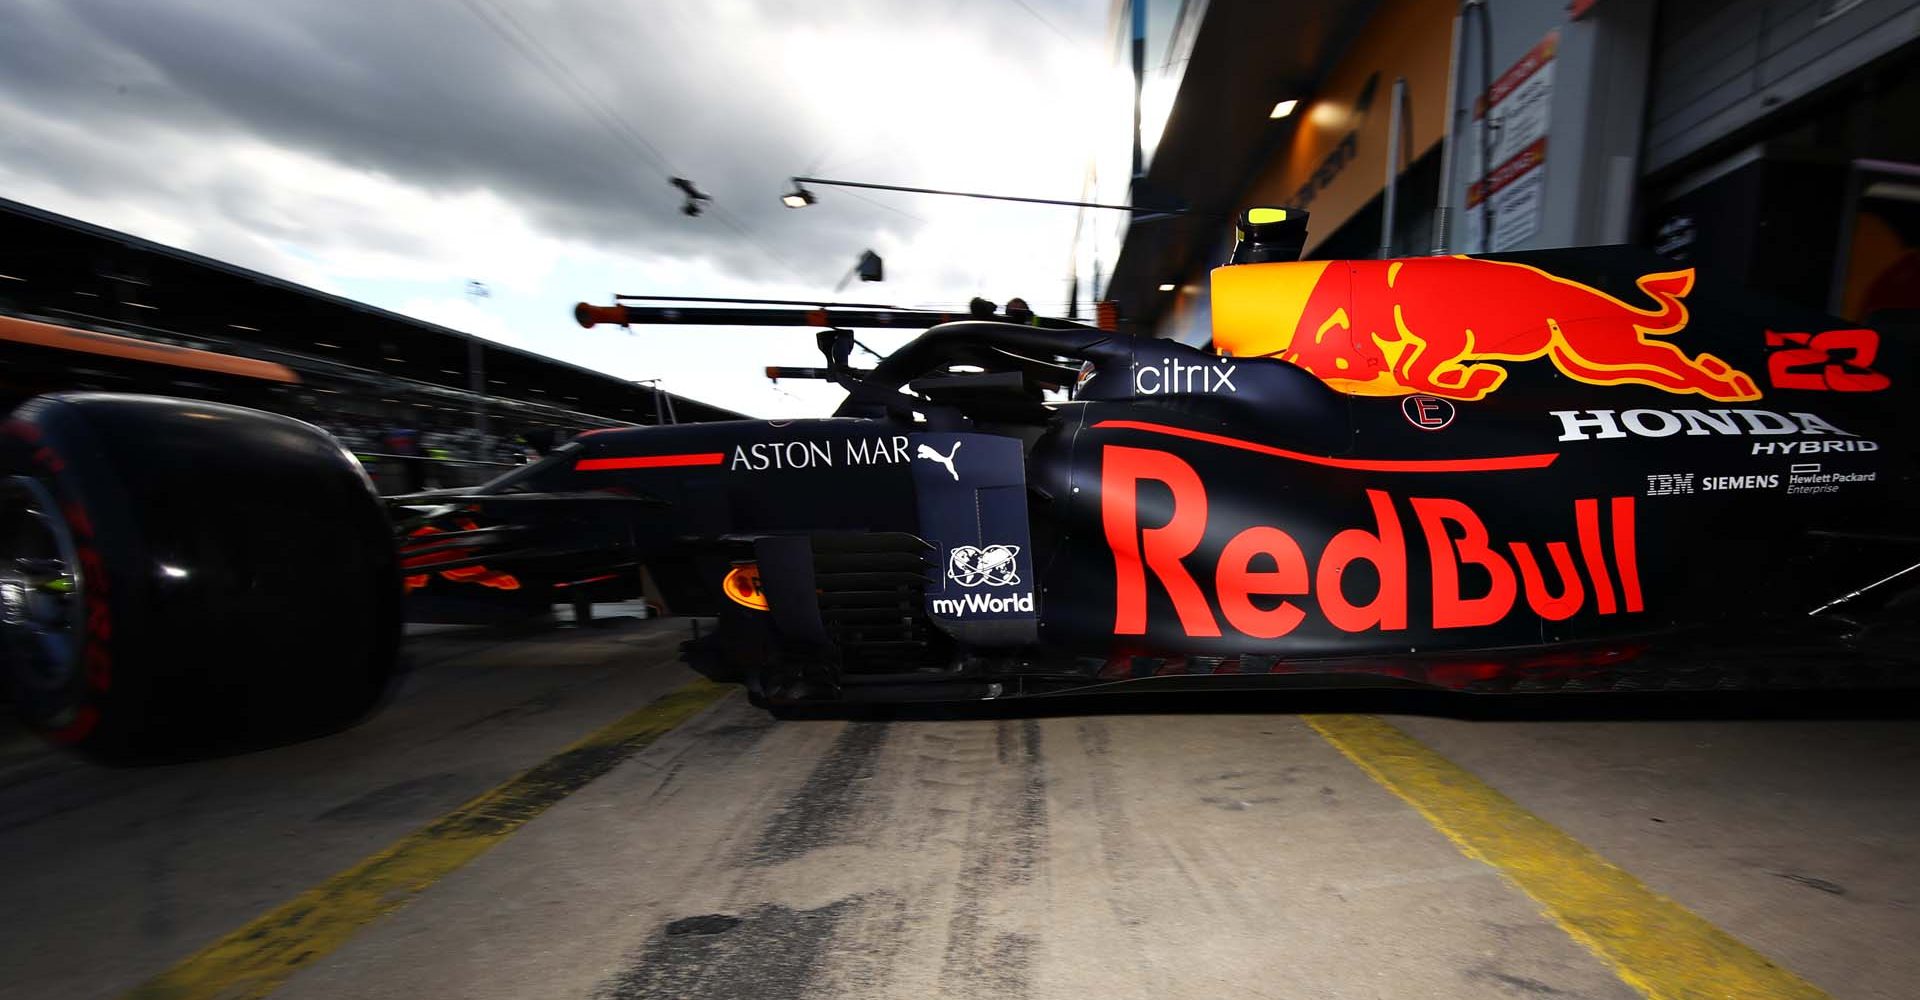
(1283, 109)
(799, 197)
(1878, 189)
(1168, 287)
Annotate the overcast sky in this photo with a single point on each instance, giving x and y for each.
(393, 150)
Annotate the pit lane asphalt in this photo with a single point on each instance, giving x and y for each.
(1233, 848)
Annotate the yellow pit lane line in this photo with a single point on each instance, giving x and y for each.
(1653, 944)
(256, 958)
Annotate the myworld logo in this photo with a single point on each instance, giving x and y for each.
(983, 604)
(992, 566)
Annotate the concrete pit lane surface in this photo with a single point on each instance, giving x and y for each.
(570, 813)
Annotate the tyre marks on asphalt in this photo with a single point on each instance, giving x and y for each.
(1003, 851)
(718, 742)
(1125, 873)
(821, 812)
(1106, 805)
(783, 939)
(402, 797)
(1031, 815)
(904, 863)
(1027, 858)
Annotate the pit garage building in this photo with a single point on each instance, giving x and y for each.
(1768, 140)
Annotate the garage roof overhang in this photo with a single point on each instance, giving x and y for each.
(1246, 57)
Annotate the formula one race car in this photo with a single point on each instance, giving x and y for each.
(1566, 469)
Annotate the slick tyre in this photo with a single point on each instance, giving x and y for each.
(181, 578)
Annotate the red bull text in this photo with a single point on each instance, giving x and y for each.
(1264, 562)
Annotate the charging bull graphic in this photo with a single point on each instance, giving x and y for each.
(1437, 325)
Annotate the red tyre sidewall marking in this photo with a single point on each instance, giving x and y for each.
(96, 650)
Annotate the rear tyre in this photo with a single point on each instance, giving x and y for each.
(180, 578)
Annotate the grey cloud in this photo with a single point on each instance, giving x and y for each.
(425, 92)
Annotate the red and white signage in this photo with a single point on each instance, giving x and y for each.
(1515, 113)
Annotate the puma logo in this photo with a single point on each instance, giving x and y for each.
(927, 452)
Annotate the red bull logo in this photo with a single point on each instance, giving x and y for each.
(1265, 584)
(1441, 326)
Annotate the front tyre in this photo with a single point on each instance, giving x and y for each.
(180, 577)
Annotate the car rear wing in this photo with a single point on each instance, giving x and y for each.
(787, 312)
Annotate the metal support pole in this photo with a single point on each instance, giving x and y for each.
(660, 411)
(1137, 209)
(1443, 209)
(1393, 166)
(1139, 53)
